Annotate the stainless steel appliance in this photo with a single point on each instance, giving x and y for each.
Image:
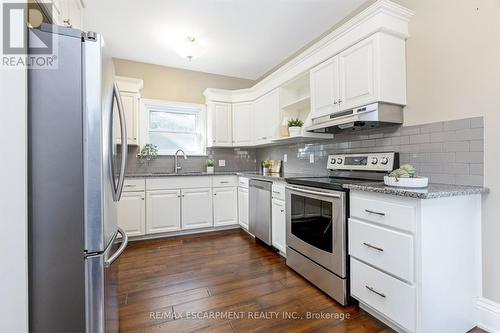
(317, 209)
(364, 117)
(75, 180)
(260, 209)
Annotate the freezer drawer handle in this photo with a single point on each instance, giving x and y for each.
(120, 250)
(375, 292)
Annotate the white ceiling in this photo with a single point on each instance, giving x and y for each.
(241, 38)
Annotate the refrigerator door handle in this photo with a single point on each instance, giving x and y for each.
(120, 250)
(123, 134)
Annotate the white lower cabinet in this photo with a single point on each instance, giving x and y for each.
(243, 207)
(225, 206)
(414, 262)
(196, 208)
(278, 230)
(131, 213)
(163, 211)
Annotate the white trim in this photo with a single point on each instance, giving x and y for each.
(382, 16)
(129, 84)
(488, 315)
(147, 104)
(184, 232)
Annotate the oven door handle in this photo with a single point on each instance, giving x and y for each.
(326, 194)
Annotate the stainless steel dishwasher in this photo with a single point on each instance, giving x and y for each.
(260, 209)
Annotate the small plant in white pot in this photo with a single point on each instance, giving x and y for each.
(266, 165)
(295, 126)
(210, 166)
(148, 152)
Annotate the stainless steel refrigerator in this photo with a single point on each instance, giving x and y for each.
(75, 179)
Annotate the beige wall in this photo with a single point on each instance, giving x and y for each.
(175, 84)
(453, 66)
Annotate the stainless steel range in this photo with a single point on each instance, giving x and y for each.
(317, 209)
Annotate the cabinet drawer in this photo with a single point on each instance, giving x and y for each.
(387, 295)
(278, 191)
(134, 185)
(383, 209)
(224, 181)
(175, 182)
(243, 182)
(389, 250)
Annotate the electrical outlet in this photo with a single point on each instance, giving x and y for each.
(222, 163)
(285, 158)
(311, 158)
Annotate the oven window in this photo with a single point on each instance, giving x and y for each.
(311, 221)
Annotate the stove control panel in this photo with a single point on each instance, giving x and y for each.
(368, 162)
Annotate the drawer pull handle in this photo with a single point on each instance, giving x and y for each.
(129, 185)
(224, 182)
(373, 247)
(376, 292)
(374, 212)
(276, 192)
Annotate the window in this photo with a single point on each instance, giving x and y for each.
(173, 126)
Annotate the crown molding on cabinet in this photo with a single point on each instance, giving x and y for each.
(129, 84)
(383, 15)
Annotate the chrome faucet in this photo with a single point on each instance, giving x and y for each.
(177, 167)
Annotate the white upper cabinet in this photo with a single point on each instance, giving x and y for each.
(225, 206)
(64, 12)
(242, 124)
(267, 117)
(196, 208)
(325, 92)
(163, 211)
(357, 75)
(131, 99)
(220, 132)
(373, 70)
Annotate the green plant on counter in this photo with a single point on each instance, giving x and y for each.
(266, 164)
(295, 123)
(209, 163)
(149, 151)
(404, 171)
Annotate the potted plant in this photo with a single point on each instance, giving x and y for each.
(265, 167)
(149, 152)
(210, 166)
(295, 126)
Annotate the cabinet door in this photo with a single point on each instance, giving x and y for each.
(130, 103)
(220, 124)
(196, 208)
(243, 207)
(278, 225)
(357, 75)
(163, 211)
(131, 213)
(242, 123)
(225, 206)
(267, 117)
(325, 90)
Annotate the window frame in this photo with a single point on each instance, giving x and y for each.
(153, 105)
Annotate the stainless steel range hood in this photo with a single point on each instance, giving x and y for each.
(365, 117)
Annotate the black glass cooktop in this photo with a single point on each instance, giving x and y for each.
(333, 183)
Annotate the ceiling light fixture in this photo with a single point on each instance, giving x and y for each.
(190, 48)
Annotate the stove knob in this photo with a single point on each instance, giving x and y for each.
(374, 160)
(384, 160)
(339, 160)
(332, 161)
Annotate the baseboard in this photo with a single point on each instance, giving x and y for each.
(488, 315)
(183, 232)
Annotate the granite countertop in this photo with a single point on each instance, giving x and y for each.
(431, 192)
(248, 174)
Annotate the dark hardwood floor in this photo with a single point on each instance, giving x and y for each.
(224, 282)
